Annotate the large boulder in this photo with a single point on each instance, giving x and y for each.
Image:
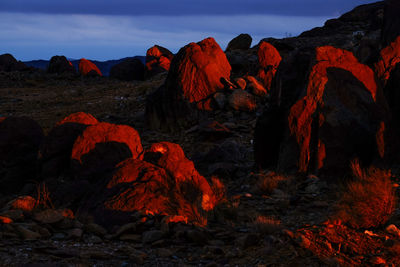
(340, 115)
(20, 139)
(60, 64)
(391, 22)
(194, 77)
(240, 42)
(128, 70)
(57, 146)
(101, 147)
(158, 60)
(9, 63)
(88, 68)
(164, 183)
(268, 60)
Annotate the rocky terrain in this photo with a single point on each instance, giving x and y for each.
(279, 154)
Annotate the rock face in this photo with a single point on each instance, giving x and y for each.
(9, 63)
(88, 68)
(158, 60)
(268, 60)
(240, 42)
(102, 146)
(194, 77)
(337, 117)
(165, 183)
(20, 138)
(57, 146)
(60, 64)
(128, 70)
(391, 23)
(241, 100)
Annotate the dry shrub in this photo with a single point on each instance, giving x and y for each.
(267, 182)
(267, 224)
(368, 200)
(43, 199)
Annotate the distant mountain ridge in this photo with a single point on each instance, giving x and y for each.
(104, 66)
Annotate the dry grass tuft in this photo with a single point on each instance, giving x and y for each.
(267, 182)
(368, 200)
(267, 225)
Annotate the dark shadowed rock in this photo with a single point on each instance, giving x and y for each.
(60, 64)
(57, 146)
(391, 22)
(337, 117)
(128, 70)
(9, 63)
(102, 146)
(20, 138)
(194, 77)
(158, 60)
(240, 42)
(88, 68)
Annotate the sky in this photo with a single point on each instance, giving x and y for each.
(112, 29)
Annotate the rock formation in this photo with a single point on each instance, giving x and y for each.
(60, 64)
(9, 63)
(194, 77)
(128, 70)
(88, 68)
(240, 42)
(158, 60)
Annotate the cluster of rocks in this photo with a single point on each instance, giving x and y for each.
(101, 170)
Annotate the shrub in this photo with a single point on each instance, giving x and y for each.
(267, 182)
(368, 200)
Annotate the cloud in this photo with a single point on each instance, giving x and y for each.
(30, 36)
(183, 7)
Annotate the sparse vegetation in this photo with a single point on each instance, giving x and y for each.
(267, 182)
(368, 200)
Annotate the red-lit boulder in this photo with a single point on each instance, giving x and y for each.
(88, 68)
(391, 21)
(128, 70)
(194, 77)
(60, 64)
(20, 138)
(9, 63)
(389, 58)
(169, 185)
(255, 87)
(158, 60)
(57, 146)
(337, 118)
(240, 42)
(268, 60)
(102, 146)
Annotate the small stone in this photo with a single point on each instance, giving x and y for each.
(151, 236)
(196, 236)
(75, 233)
(131, 227)
(27, 234)
(392, 229)
(94, 239)
(15, 215)
(25, 203)
(58, 236)
(241, 83)
(49, 216)
(5, 220)
(131, 237)
(220, 100)
(95, 229)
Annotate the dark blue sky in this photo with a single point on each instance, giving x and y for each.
(100, 29)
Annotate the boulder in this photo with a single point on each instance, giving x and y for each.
(255, 87)
(194, 77)
(158, 60)
(57, 146)
(240, 42)
(101, 147)
(391, 22)
(242, 101)
(9, 63)
(268, 60)
(88, 68)
(60, 64)
(164, 183)
(338, 117)
(20, 139)
(128, 70)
